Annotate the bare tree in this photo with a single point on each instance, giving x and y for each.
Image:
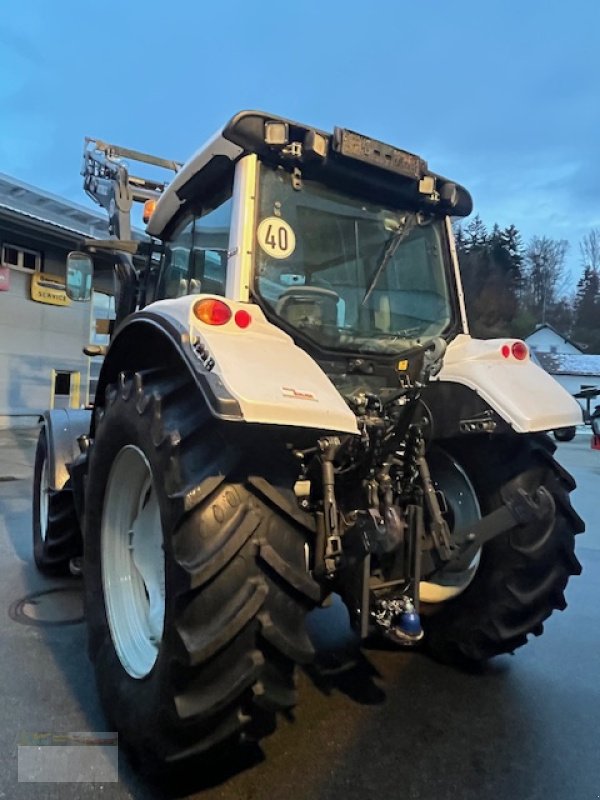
(589, 248)
(546, 274)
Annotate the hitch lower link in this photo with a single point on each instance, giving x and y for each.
(519, 509)
(328, 525)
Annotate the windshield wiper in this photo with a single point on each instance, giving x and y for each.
(394, 242)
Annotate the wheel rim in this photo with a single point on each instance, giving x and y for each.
(133, 566)
(463, 508)
(44, 491)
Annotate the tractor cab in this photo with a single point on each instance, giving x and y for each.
(342, 241)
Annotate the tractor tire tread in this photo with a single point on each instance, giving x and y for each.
(63, 540)
(523, 573)
(236, 628)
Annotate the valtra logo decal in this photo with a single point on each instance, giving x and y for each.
(201, 352)
(298, 394)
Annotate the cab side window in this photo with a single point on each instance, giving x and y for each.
(209, 252)
(195, 260)
(175, 271)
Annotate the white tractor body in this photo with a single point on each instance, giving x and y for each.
(521, 392)
(275, 382)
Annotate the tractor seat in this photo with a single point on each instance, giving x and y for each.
(311, 306)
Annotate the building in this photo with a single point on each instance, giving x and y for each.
(564, 360)
(546, 339)
(41, 331)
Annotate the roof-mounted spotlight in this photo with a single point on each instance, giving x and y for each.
(315, 144)
(449, 194)
(427, 187)
(277, 134)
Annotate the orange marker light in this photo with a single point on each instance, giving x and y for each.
(149, 207)
(212, 312)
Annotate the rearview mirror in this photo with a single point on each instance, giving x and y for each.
(80, 270)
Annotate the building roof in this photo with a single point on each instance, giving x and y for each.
(22, 199)
(568, 364)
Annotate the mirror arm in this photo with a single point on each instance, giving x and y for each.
(128, 280)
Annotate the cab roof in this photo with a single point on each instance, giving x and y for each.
(344, 158)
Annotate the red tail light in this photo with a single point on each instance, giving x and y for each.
(520, 351)
(242, 318)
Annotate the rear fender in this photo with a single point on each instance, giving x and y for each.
(63, 427)
(253, 374)
(521, 392)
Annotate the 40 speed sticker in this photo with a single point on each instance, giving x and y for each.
(276, 237)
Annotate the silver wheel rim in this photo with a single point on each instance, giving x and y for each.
(133, 565)
(462, 501)
(44, 502)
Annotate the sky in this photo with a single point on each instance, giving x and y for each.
(499, 95)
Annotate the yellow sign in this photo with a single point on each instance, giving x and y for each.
(49, 289)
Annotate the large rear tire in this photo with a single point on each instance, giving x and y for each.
(56, 534)
(230, 566)
(522, 574)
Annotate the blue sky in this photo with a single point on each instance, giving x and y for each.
(502, 96)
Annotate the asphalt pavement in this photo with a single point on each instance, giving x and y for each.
(369, 724)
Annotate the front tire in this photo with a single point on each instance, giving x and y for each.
(223, 603)
(522, 573)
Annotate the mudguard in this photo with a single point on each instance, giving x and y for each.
(255, 373)
(63, 427)
(521, 392)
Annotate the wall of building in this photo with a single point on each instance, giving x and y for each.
(36, 338)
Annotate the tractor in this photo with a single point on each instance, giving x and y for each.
(291, 407)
